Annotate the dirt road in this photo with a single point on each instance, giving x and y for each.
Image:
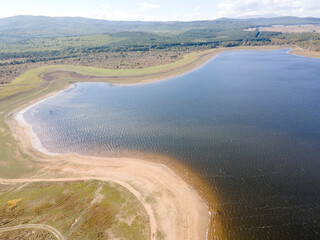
(45, 227)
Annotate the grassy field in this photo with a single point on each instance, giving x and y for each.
(12, 68)
(30, 234)
(102, 210)
(34, 78)
(292, 28)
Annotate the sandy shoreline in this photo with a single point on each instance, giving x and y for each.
(170, 194)
(18, 116)
(177, 209)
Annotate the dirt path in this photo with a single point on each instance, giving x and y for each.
(153, 225)
(175, 209)
(45, 227)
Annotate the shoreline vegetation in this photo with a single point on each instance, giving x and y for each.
(22, 160)
(38, 77)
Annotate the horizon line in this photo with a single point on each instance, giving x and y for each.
(195, 20)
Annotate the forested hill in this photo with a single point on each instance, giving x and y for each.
(31, 41)
(20, 27)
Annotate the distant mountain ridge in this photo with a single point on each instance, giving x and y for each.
(22, 27)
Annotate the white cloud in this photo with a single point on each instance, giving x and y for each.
(151, 12)
(105, 6)
(147, 6)
(140, 13)
(253, 8)
(122, 15)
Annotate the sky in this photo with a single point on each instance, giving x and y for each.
(161, 10)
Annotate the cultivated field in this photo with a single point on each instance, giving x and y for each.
(292, 28)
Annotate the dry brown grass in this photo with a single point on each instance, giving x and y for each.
(27, 234)
(13, 203)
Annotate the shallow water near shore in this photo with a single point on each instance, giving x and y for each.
(247, 121)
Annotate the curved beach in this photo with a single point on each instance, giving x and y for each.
(174, 207)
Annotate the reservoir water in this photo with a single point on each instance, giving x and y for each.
(247, 121)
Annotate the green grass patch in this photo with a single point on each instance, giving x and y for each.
(117, 213)
(13, 162)
(34, 77)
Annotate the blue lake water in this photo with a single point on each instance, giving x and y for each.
(247, 121)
